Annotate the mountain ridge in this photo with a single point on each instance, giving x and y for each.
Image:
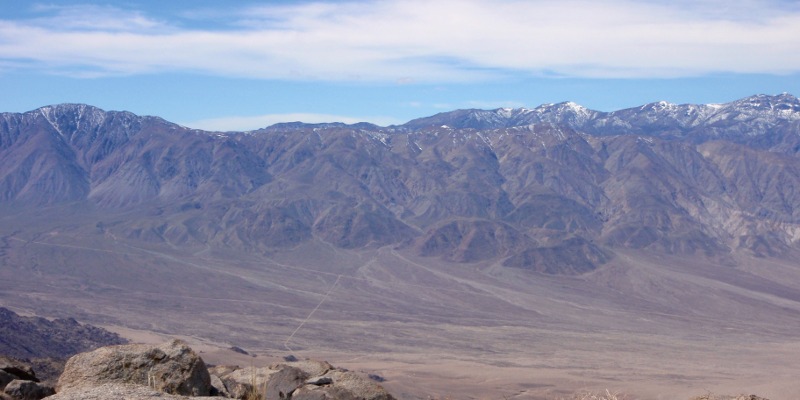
(465, 186)
(784, 104)
(682, 116)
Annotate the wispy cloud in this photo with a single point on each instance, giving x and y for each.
(494, 104)
(419, 41)
(248, 123)
(90, 17)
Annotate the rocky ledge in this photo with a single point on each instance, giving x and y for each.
(174, 371)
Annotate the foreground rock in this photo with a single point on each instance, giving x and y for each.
(300, 380)
(11, 369)
(173, 371)
(27, 390)
(170, 368)
(18, 381)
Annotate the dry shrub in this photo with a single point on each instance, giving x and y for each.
(254, 393)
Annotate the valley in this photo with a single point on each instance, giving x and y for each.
(639, 325)
(520, 254)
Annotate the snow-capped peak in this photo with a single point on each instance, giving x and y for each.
(505, 112)
(659, 106)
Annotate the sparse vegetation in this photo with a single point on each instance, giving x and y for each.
(255, 392)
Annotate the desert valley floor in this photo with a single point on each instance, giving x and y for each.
(657, 327)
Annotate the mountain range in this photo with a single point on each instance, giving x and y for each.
(459, 255)
(552, 189)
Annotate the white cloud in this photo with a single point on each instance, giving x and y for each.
(406, 41)
(248, 123)
(490, 105)
(94, 18)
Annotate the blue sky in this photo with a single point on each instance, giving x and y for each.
(242, 65)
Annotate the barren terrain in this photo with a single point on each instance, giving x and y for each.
(655, 327)
(508, 253)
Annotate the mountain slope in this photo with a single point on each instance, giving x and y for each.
(465, 186)
(33, 337)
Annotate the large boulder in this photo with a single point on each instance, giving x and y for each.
(283, 383)
(274, 382)
(171, 368)
(300, 380)
(27, 390)
(339, 384)
(246, 382)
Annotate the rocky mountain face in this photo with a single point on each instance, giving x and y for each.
(36, 337)
(46, 344)
(554, 189)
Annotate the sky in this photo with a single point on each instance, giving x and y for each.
(242, 65)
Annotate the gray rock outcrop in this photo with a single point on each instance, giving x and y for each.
(241, 382)
(17, 369)
(19, 382)
(173, 371)
(344, 385)
(27, 390)
(284, 382)
(170, 368)
(300, 380)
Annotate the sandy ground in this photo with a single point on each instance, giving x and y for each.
(445, 376)
(651, 326)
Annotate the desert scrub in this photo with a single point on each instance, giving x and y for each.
(253, 393)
